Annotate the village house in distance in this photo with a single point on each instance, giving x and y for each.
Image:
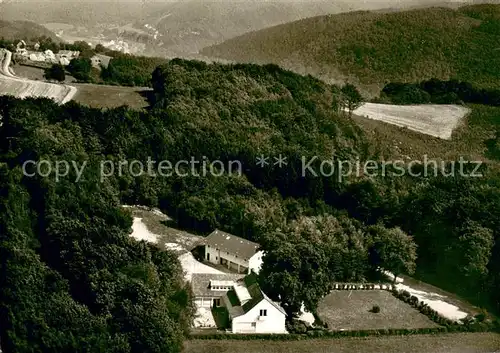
(237, 254)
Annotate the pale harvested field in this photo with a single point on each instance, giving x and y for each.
(23, 89)
(432, 119)
(350, 310)
(445, 343)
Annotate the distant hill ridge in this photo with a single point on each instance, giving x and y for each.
(371, 48)
(13, 30)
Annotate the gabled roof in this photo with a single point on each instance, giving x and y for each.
(232, 244)
(273, 303)
(201, 283)
(256, 294)
(103, 59)
(68, 52)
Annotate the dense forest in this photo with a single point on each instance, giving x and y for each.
(438, 92)
(375, 47)
(74, 281)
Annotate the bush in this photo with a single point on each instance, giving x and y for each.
(315, 333)
(296, 326)
(468, 320)
(375, 309)
(481, 317)
(414, 300)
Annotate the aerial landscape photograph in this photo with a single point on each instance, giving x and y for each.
(250, 176)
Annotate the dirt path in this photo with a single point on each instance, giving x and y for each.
(19, 87)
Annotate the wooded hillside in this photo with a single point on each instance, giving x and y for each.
(74, 281)
(374, 48)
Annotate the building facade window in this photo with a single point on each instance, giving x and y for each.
(263, 312)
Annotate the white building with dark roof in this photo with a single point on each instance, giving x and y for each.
(248, 308)
(237, 254)
(69, 54)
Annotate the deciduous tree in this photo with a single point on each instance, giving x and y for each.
(352, 98)
(55, 72)
(393, 250)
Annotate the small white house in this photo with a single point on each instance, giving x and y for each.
(22, 52)
(21, 45)
(49, 54)
(68, 54)
(40, 57)
(237, 254)
(64, 61)
(99, 60)
(248, 308)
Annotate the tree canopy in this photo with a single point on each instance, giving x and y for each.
(302, 260)
(74, 278)
(392, 250)
(55, 72)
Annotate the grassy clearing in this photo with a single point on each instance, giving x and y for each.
(350, 310)
(36, 73)
(101, 96)
(447, 343)
(33, 73)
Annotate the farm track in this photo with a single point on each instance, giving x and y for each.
(18, 87)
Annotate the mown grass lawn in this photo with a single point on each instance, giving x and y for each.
(445, 343)
(102, 96)
(351, 310)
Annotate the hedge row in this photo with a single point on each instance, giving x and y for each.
(364, 286)
(320, 333)
(447, 326)
(469, 324)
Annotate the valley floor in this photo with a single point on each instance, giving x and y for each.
(447, 343)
